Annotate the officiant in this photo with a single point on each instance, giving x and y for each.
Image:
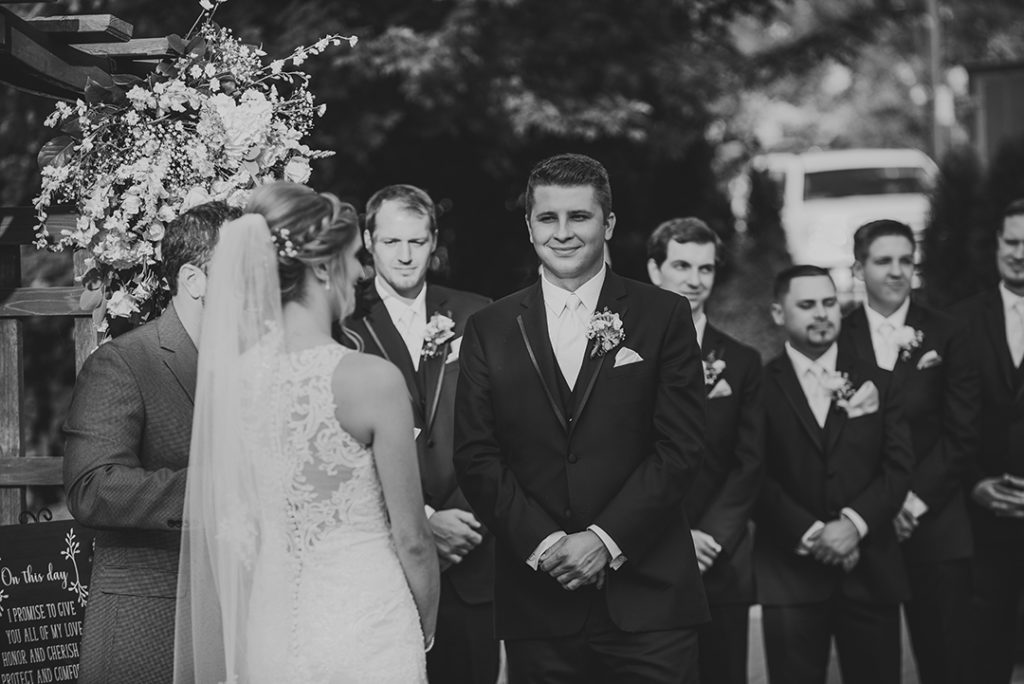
(418, 326)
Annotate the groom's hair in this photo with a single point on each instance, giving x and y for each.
(571, 170)
(190, 238)
(784, 278)
(682, 230)
(412, 199)
(871, 231)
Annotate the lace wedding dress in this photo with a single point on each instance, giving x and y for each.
(350, 614)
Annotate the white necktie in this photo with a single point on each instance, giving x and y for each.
(1015, 332)
(887, 352)
(570, 339)
(818, 396)
(404, 326)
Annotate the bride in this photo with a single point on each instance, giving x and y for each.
(306, 556)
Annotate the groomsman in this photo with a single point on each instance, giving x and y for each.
(418, 327)
(128, 432)
(926, 352)
(683, 256)
(837, 460)
(996, 481)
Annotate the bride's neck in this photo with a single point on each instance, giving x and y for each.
(306, 325)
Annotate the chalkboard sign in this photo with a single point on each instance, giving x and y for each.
(44, 586)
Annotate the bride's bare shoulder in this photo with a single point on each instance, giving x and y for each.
(367, 376)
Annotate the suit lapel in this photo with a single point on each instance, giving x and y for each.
(433, 367)
(385, 335)
(995, 324)
(533, 326)
(180, 354)
(785, 376)
(916, 319)
(613, 296)
(860, 332)
(837, 417)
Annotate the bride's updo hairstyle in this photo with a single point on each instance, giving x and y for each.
(308, 228)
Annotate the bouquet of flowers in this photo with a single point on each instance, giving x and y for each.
(211, 122)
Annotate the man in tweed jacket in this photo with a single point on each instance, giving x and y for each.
(128, 433)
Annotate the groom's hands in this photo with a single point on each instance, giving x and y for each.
(455, 535)
(576, 560)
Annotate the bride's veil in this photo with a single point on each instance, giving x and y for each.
(233, 513)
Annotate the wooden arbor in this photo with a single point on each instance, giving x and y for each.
(53, 56)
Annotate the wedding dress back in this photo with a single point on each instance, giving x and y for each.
(289, 572)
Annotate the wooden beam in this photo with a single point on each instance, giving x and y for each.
(12, 390)
(137, 48)
(84, 28)
(30, 471)
(28, 302)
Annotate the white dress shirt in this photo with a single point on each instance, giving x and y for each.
(808, 371)
(1013, 314)
(883, 341)
(555, 300)
(700, 324)
(408, 315)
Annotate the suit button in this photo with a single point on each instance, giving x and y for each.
(430, 443)
(567, 512)
(573, 458)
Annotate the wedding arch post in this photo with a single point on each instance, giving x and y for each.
(52, 56)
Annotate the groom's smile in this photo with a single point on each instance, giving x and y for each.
(568, 230)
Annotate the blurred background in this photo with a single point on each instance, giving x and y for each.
(713, 108)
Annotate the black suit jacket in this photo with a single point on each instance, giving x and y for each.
(1000, 418)
(940, 404)
(620, 455)
(432, 392)
(812, 473)
(723, 495)
(128, 433)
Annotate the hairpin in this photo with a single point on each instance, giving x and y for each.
(283, 242)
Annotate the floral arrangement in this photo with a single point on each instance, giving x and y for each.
(440, 329)
(605, 329)
(907, 339)
(838, 385)
(211, 122)
(713, 368)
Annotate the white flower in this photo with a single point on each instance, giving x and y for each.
(440, 329)
(121, 304)
(155, 232)
(297, 170)
(605, 328)
(245, 124)
(194, 197)
(907, 339)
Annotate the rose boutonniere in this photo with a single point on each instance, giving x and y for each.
(838, 386)
(713, 368)
(907, 339)
(605, 329)
(440, 329)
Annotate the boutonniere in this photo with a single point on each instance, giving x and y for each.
(838, 386)
(440, 329)
(605, 329)
(862, 402)
(713, 368)
(907, 339)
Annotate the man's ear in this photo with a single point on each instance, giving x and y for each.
(192, 280)
(653, 272)
(858, 270)
(609, 226)
(777, 314)
(529, 231)
(367, 239)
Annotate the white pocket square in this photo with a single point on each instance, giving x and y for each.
(453, 350)
(626, 356)
(929, 359)
(863, 402)
(722, 388)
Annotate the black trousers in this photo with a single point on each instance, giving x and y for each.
(604, 654)
(937, 619)
(465, 650)
(723, 645)
(797, 642)
(998, 584)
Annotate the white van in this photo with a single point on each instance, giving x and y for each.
(827, 195)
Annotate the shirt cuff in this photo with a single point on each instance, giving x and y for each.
(613, 549)
(545, 544)
(858, 522)
(428, 510)
(805, 541)
(914, 505)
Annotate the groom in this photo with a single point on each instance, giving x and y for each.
(579, 427)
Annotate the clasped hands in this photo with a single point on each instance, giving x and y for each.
(456, 533)
(576, 560)
(836, 544)
(1004, 495)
